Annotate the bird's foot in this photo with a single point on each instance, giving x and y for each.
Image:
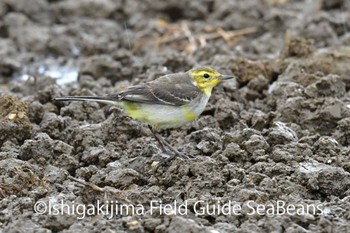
(168, 154)
(167, 149)
(180, 154)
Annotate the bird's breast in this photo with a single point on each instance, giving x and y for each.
(167, 116)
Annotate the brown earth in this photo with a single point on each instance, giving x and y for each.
(278, 134)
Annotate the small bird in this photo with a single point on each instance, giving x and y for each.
(170, 101)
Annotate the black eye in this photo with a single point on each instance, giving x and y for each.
(206, 75)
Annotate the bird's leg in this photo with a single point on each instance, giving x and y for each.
(162, 144)
(160, 141)
(175, 151)
(165, 146)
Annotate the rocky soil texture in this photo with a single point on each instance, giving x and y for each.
(271, 149)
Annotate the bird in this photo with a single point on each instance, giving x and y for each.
(169, 101)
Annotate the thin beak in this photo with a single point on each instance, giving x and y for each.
(226, 77)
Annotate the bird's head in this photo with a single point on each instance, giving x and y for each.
(205, 78)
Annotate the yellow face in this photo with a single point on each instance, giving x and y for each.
(206, 78)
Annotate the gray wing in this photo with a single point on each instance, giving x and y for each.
(168, 90)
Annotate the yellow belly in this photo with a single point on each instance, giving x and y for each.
(165, 116)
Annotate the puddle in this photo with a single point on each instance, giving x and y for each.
(64, 72)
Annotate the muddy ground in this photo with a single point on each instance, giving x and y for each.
(275, 139)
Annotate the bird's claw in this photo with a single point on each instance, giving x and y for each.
(170, 154)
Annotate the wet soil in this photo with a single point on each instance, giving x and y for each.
(274, 139)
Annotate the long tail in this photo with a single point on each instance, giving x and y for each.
(107, 100)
